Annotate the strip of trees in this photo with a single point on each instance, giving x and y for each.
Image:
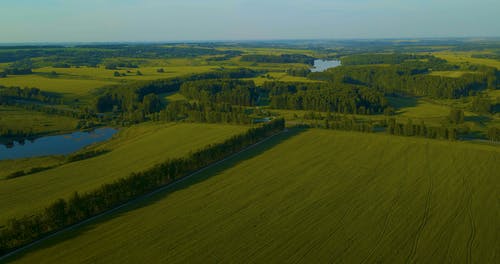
(410, 129)
(380, 58)
(338, 122)
(494, 134)
(64, 212)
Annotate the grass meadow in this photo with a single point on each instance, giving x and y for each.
(16, 118)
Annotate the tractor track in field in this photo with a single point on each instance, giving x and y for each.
(472, 224)
(388, 216)
(425, 217)
(385, 228)
(340, 224)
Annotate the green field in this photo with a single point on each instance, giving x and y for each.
(173, 97)
(311, 196)
(8, 167)
(134, 149)
(58, 85)
(465, 57)
(452, 74)
(16, 118)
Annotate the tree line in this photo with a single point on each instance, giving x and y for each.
(283, 58)
(203, 112)
(337, 122)
(494, 134)
(65, 212)
(93, 55)
(9, 94)
(380, 58)
(410, 129)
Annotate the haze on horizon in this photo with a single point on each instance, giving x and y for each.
(199, 20)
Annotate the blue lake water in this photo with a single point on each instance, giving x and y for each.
(323, 65)
(55, 145)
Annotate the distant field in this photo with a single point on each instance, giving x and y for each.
(419, 109)
(134, 149)
(494, 93)
(148, 73)
(314, 197)
(81, 81)
(59, 84)
(175, 97)
(20, 119)
(279, 76)
(453, 74)
(463, 57)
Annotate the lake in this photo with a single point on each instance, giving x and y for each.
(55, 145)
(323, 65)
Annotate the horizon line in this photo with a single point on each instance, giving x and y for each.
(35, 43)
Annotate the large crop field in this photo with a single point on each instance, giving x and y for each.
(311, 196)
(134, 149)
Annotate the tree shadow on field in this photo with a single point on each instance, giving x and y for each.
(141, 202)
(400, 102)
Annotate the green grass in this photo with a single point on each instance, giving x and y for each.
(10, 166)
(422, 109)
(465, 57)
(78, 82)
(280, 76)
(313, 197)
(40, 123)
(452, 74)
(173, 97)
(172, 69)
(134, 149)
(58, 85)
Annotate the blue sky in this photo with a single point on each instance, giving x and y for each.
(172, 20)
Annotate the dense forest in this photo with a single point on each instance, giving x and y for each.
(138, 99)
(413, 78)
(236, 92)
(342, 98)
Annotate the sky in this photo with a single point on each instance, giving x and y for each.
(201, 20)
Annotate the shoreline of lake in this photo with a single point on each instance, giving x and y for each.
(59, 144)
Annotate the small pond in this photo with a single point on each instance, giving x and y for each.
(55, 145)
(323, 65)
